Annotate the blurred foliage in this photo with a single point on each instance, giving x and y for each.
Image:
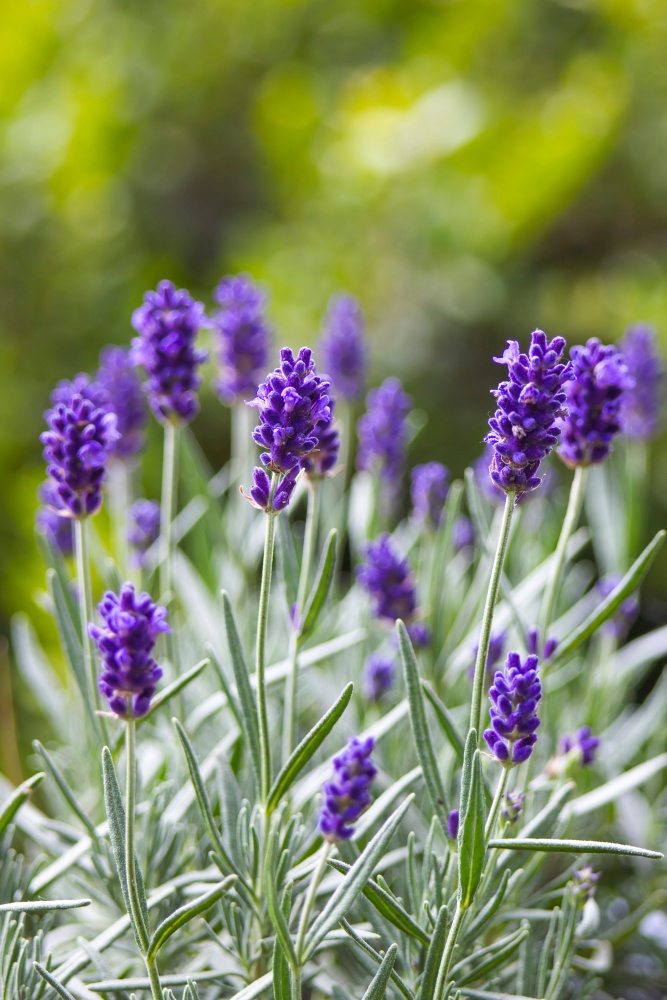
(469, 169)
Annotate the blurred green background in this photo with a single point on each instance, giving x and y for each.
(470, 170)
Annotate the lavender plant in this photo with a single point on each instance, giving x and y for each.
(284, 833)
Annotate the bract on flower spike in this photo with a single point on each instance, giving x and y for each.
(514, 695)
(118, 379)
(390, 585)
(132, 623)
(594, 397)
(348, 794)
(428, 490)
(167, 324)
(242, 337)
(525, 427)
(641, 411)
(343, 349)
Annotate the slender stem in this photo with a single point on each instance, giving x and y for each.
(154, 979)
(119, 504)
(569, 524)
(446, 959)
(169, 473)
(136, 914)
(489, 607)
(309, 901)
(85, 600)
(260, 657)
(310, 534)
(295, 985)
(495, 805)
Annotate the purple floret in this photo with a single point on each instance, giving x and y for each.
(594, 400)
(260, 491)
(242, 338)
(453, 824)
(642, 403)
(533, 643)
(348, 794)
(342, 347)
(390, 585)
(585, 881)
(512, 806)
(132, 623)
(584, 742)
(514, 694)
(118, 380)
(167, 324)
(144, 530)
(428, 490)
(77, 445)
(378, 676)
(497, 642)
(50, 520)
(524, 427)
(322, 460)
(383, 433)
(292, 401)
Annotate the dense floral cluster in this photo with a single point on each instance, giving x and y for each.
(167, 324)
(642, 402)
(342, 347)
(594, 397)
(389, 582)
(378, 676)
(383, 432)
(428, 490)
(132, 623)
(514, 695)
(348, 794)
(242, 338)
(260, 491)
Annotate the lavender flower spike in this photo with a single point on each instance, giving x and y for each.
(348, 794)
(342, 347)
(167, 324)
(322, 461)
(524, 427)
(119, 381)
(132, 623)
(292, 401)
(378, 676)
(583, 743)
(642, 403)
(388, 580)
(77, 445)
(50, 520)
(144, 518)
(514, 694)
(242, 338)
(594, 400)
(429, 489)
(383, 432)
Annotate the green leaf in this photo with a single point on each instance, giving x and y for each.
(574, 847)
(345, 895)
(471, 839)
(443, 716)
(43, 905)
(378, 984)
(17, 799)
(54, 559)
(66, 791)
(287, 562)
(44, 684)
(420, 731)
(186, 913)
(321, 586)
(63, 993)
(245, 693)
(387, 906)
(490, 908)
(612, 790)
(281, 976)
(306, 748)
(543, 823)
(605, 610)
(367, 949)
(486, 959)
(278, 919)
(429, 977)
(115, 811)
(177, 685)
(70, 637)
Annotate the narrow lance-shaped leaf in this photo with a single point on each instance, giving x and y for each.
(62, 992)
(177, 685)
(471, 839)
(286, 563)
(245, 692)
(367, 949)
(574, 847)
(43, 905)
(186, 913)
(420, 731)
(387, 906)
(306, 748)
(66, 791)
(70, 640)
(17, 799)
(486, 959)
(346, 893)
(281, 975)
(443, 716)
(434, 956)
(378, 985)
(321, 586)
(278, 918)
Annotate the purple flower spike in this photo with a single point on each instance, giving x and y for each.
(453, 824)
(77, 446)
(260, 491)
(50, 520)
(167, 324)
(342, 347)
(583, 743)
(383, 432)
(322, 460)
(642, 404)
(242, 338)
(524, 427)
(429, 489)
(463, 533)
(378, 677)
(118, 380)
(512, 806)
(144, 518)
(390, 585)
(594, 400)
(132, 623)
(81, 385)
(514, 695)
(348, 794)
(292, 401)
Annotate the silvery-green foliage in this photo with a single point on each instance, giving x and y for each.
(401, 909)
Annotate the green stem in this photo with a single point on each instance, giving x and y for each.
(495, 805)
(154, 979)
(309, 901)
(119, 504)
(446, 959)
(136, 914)
(169, 473)
(295, 985)
(569, 524)
(86, 610)
(260, 657)
(489, 608)
(310, 534)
